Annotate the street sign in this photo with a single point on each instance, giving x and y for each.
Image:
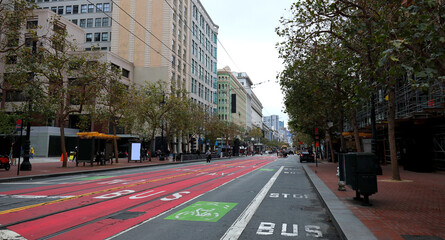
(18, 124)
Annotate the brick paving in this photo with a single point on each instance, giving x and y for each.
(415, 206)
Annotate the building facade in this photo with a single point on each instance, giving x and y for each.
(254, 108)
(93, 16)
(203, 57)
(232, 98)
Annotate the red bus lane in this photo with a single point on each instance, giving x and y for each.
(116, 201)
(108, 227)
(88, 197)
(83, 185)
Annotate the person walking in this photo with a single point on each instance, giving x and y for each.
(208, 156)
(11, 155)
(31, 152)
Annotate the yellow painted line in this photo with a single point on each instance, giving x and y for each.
(108, 190)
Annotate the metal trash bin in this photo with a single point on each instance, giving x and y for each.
(360, 171)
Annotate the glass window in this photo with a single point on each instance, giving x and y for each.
(69, 9)
(83, 8)
(105, 22)
(32, 24)
(74, 21)
(88, 37)
(107, 7)
(98, 22)
(75, 9)
(90, 8)
(96, 37)
(99, 7)
(104, 37)
(89, 23)
(82, 23)
(54, 9)
(60, 10)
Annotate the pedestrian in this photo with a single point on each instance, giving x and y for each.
(76, 151)
(31, 152)
(208, 156)
(11, 155)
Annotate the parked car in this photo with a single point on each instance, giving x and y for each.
(307, 156)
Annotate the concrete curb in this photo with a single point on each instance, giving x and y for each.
(346, 223)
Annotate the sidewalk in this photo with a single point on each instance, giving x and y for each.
(42, 167)
(407, 210)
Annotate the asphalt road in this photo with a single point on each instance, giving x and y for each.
(258, 197)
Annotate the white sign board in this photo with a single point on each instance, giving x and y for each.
(135, 151)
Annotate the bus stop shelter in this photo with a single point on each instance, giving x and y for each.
(95, 147)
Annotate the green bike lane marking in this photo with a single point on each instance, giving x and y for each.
(203, 211)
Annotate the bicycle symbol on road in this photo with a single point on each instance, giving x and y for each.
(203, 211)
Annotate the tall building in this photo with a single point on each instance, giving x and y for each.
(204, 41)
(231, 98)
(254, 108)
(173, 41)
(272, 122)
(93, 16)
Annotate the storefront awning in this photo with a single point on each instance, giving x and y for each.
(96, 135)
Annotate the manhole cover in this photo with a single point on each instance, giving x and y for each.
(126, 215)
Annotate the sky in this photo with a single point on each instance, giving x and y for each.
(247, 32)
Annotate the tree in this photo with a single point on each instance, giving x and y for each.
(114, 103)
(151, 108)
(369, 31)
(13, 15)
(63, 79)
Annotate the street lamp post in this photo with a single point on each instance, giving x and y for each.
(26, 165)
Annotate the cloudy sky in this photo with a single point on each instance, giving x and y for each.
(247, 32)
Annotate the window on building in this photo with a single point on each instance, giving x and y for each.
(54, 9)
(83, 8)
(96, 37)
(105, 22)
(89, 37)
(69, 10)
(173, 61)
(82, 23)
(125, 73)
(99, 7)
(89, 23)
(75, 9)
(33, 24)
(107, 7)
(104, 37)
(98, 22)
(90, 8)
(60, 10)
(74, 21)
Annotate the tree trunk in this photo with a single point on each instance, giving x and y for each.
(116, 152)
(358, 146)
(391, 132)
(152, 139)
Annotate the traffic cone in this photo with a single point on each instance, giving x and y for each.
(61, 157)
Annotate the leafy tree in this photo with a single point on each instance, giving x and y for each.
(54, 75)
(151, 107)
(113, 105)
